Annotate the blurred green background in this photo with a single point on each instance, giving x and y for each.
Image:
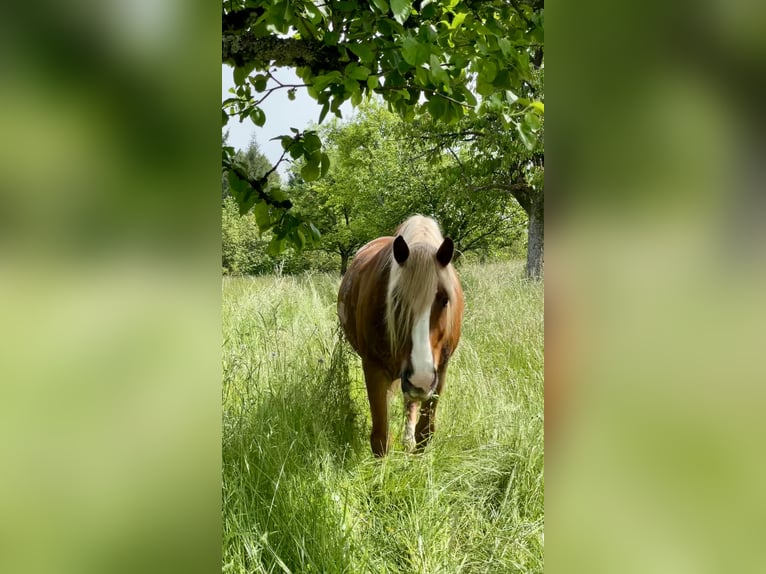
(110, 287)
(655, 287)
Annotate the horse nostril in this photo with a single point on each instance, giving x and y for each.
(407, 386)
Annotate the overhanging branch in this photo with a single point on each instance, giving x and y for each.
(246, 48)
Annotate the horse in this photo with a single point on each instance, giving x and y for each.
(400, 305)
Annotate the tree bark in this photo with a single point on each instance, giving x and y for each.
(536, 238)
(344, 257)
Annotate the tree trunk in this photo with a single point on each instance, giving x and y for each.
(536, 238)
(344, 257)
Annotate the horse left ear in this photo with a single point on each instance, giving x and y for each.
(445, 252)
(401, 250)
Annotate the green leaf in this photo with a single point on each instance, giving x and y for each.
(237, 185)
(503, 80)
(357, 72)
(258, 116)
(539, 106)
(505, 46)
(363, 51)
(331, 37)
(276, 246)
(381, 5)
(415, 53)
(311, 142)
(401, 10)
(352, 87)
(286, 141)
(246, 202)
(310, 171)
(301, 239)
(483, 88)
(259, 82)
(314, 232)
(457, 20)
(526, 138)
(470, 99)
(296, 149)
(532, 121)
(241, 74)
(277, 194)
(224, 118)
(325, 109)
(337, 102)
(372, 82)
(422, 76)
(325, 164)
(319, 83)
(438, 75)
(262, 216)
(437, 107)
(488, 71)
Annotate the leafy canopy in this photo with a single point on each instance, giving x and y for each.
(428, 57)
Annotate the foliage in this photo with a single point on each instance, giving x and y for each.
(254, 164)
(427, 57)
(301, 490)
(492, 158)
(381, 174)
(243, 251)
(383, 171)
(361, 196)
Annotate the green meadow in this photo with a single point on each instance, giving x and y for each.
(301, 489)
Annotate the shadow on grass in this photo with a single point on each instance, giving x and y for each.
(283, 461)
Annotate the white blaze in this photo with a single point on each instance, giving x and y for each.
(422, 357)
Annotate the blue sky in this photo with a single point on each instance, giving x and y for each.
(281, 115)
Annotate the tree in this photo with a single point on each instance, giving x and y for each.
(421, 58)
(242, 248)
(498, 158)
(379, 175)
(513, 162)
(255, 165)
(359, 198)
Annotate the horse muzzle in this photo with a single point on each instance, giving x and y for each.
(415, 392)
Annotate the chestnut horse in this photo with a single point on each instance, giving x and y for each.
(401, 305)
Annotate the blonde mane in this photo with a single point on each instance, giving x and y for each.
(412, 286)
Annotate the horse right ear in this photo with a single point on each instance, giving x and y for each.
(401, 251)
(445, 252)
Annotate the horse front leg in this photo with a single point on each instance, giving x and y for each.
(377, 383)
(427, 422)
(411, 409)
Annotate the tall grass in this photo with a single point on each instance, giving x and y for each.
(301, 489)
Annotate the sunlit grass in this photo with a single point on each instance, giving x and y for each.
(301, 489)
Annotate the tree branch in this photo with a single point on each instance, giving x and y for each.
(259, 184)
(246, 48)
(519, 189)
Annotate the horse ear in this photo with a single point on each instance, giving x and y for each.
(445, 252)
(401, 251)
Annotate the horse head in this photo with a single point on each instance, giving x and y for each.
(422, 301)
